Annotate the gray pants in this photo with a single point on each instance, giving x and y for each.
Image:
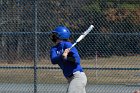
(77, 83)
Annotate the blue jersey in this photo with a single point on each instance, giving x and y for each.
(67, 66)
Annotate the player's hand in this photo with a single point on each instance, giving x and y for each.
(65, 54)
(137, 91)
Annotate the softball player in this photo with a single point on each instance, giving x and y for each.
(68, 60)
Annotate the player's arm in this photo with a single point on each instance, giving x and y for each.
(71, 55)
(54, 57)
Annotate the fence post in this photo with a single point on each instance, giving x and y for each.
(36, 46)
(96, 64)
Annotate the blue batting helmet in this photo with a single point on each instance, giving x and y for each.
(62, 32)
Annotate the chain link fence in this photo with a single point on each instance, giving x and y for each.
(110, 54)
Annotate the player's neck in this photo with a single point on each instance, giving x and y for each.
(58, 41)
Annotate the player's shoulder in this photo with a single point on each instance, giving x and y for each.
(53, 47)
(67, 44)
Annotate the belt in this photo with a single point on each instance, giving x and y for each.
(73, 74)
(70, 75)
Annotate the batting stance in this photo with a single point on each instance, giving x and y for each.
(68, 60)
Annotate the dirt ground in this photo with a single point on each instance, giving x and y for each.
(8, 75)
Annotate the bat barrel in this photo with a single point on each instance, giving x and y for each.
(83, 35)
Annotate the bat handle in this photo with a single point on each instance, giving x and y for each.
(73, 45)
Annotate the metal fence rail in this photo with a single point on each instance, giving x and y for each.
(110, 54)
(104, 64)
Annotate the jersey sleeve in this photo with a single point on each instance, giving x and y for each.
(54, 57)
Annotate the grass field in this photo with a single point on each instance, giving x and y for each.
(94, 76)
